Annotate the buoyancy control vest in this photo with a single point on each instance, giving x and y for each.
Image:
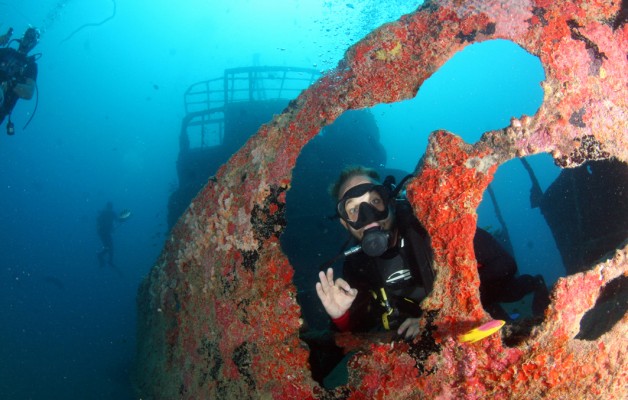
(404, 272)
(13, 65)
(14, 68)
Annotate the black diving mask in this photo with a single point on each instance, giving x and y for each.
(364, 204)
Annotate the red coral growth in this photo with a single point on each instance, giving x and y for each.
(384, 373)
(218, 316)
(447, 192)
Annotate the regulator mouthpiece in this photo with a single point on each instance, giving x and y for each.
(375, 242)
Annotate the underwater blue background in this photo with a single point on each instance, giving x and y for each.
(110, 103)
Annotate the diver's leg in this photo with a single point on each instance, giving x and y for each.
(111, 254)
(101, 257)
(541, 297)
(514, 289)
(107, 243)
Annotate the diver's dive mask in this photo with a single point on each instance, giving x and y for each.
(364, 204)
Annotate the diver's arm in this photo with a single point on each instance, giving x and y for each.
(409, 328)
(25, 90)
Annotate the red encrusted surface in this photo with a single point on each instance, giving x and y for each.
(218, 316)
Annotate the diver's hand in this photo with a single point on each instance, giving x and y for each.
(411, 328)
(336, 296)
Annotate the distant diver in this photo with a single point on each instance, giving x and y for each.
(105, 225)
(80, 28)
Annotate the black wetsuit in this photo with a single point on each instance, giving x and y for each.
(15, 67)
(405, 274)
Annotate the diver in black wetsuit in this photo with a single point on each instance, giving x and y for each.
(18, 72)
(385, 282)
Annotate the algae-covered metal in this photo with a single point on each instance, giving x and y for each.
(218, 316)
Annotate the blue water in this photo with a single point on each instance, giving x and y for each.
(106, 129)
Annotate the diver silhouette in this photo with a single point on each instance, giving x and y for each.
(105, 224)
(18, 73)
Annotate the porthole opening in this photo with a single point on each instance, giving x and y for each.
(462, 97)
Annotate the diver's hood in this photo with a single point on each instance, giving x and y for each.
(29, 41)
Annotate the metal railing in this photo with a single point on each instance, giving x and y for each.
(205, 101)
(248, 84)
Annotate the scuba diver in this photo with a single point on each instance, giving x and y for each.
(105, 226)
(18, 72)
(390, 272)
